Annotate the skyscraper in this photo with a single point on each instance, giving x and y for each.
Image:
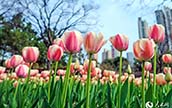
(109, 54)
(164, 17)
(130, 58)
(142, 28)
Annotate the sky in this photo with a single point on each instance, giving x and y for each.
(116, 17)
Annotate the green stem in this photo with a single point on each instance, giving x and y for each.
(88, 83)
(28, 77)
(119, 80)
(49, 83)
(154, 74)
(128, 97)
(143, 90)
(66, 81)
(15, 94)
(55, 70)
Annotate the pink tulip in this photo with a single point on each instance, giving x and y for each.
(59, 42)
(21, 71)
(7, 63)
(54, 53)
(86, 62)
(45, 73)
(34, 72)
(167, 58)
(93, 43)
(143, 49)
(73, 41)
(3, 76)
(157, 33)
(16, 60)
(2, 69)
(61, 72)
(30, 54)
(120, 42)
(148, 66)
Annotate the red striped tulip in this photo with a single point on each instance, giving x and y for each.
(2, 69)
(54, 53)
(7, 63)
(120, 42)
(21, 71)
(148, 66)
(16, 60)
(93, 43)
(59, 42)
(143, 49)
(157, 33)
(73, 41)
(30, 54)
(167, 58)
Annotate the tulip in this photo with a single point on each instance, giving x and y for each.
(21, 71)
(16, 60)
(160, 79)
(157, 33)
(167, 69)
(7, 63)
(30, 54)
(72, 41)
(2, 69)
(34, 72)
(61, 72)
(86, 63)
(168, 77)
(59, 42)
(45, 73)
(93, 43)
(54, 53)
(143, 49)
(148, 66)
(120, 42)
(167, 58)
(3, 76)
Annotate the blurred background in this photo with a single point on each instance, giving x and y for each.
(39, 22)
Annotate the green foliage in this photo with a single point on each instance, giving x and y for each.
(113, 64)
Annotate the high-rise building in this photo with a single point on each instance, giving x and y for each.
(115, 53)
(109, 54)
(130, 58)
(142, 28)
(164, 17)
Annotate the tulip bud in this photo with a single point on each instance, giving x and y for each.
(30, 54)
(120, 42)
(168, 77)
(21, 71)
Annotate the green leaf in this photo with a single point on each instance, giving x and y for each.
(80, 103)
(124, 92)
(109, 99)
(169, 97)
(148, 95)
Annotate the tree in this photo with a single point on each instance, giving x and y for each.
(51, 18)
(16, 34)
(113, 64)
